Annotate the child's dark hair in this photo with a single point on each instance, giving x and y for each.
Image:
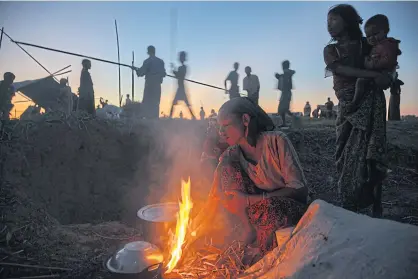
(286, 64)
(379, 20)
(352, 19)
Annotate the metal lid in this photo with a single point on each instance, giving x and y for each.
(160, 212)
(135, 257)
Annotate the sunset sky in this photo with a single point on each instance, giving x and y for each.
(215, 35)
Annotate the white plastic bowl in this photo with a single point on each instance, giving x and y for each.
(135, 257)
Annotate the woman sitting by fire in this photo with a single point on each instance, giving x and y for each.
(259, 177)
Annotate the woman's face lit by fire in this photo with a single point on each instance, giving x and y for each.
(233, 128)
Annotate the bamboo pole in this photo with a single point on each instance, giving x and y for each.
(117, 42)
(107, 61)
(1, 36)
(173, 43)
(133, 77)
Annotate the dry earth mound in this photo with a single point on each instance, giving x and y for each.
(58, 173)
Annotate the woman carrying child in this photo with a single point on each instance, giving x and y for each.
(361, 134)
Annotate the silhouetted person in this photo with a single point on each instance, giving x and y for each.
(181, 95)
(86, 92)
(213, 114)
(65, 96)
(75, 102)
(6, 95)
(233, 79)
(103, 102)
(181, 115)
(251, 84)
(154, 71)
(285, 85)
(202, 113)
(329, 105)
(307, 110)
(395, 100)
(128, 100)
(315, 113)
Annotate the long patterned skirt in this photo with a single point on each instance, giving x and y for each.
(266, 216)
(361, 149)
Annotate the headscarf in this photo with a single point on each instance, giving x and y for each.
(260, 121)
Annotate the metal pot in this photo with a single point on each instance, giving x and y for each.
(139, 260)
(158, 220)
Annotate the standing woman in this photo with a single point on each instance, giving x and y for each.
(361, 134)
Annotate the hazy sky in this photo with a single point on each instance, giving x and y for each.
(215, 35)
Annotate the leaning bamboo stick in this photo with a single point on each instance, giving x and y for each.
(1, 36)
(34, 59)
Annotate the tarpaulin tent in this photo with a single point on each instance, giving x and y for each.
(44, 92)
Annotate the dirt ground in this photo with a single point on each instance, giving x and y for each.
(70, 188)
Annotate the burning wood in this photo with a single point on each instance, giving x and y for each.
(211, 262)
(205, 262)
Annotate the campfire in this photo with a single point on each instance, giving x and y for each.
(207, 260)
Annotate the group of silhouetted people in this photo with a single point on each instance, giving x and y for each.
(251, 84)
(153, 69)
(326, 112)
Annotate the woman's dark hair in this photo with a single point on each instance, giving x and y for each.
(351, 18)
(260, 121)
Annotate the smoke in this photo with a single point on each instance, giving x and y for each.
(170, 151)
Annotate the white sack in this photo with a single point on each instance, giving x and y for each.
(109, 112)
(330, 242)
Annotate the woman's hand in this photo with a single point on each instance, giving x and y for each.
(235, 201)
(383, 81)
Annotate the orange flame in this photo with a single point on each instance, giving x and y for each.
(183, 217)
